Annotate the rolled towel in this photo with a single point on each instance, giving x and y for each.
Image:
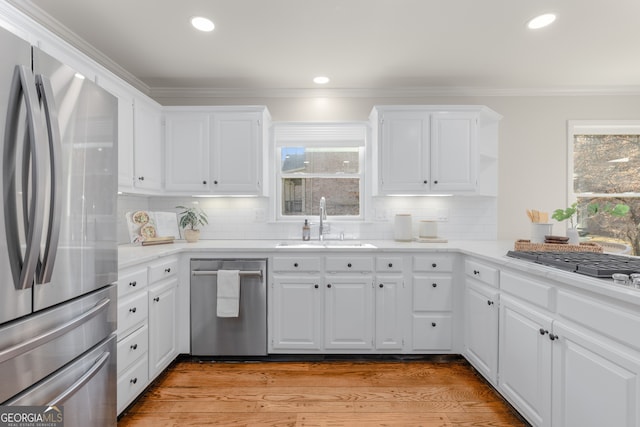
(228, 300)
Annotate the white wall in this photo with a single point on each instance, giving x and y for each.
(533, 138)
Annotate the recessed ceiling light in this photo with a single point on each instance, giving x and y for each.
(202, 23)
(541, 21)
(321, 80)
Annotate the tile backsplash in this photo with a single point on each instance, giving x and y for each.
(471, 218)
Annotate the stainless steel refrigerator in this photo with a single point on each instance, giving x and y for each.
(58, 253)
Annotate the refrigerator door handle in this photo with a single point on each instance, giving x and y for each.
(47, 336)
(85, 378)
(55, 147)
(23, 269)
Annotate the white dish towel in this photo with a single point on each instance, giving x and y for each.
(228, 301)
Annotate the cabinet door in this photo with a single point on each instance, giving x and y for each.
(187, 152)
(453, 151)
(297, 313)
(481, 331)
(389, 324)
(147, 145)
(595, 382)
(349, 313)
(404, 152)
(125, 132)
(236, 153)
(162, 325)
(525, 360)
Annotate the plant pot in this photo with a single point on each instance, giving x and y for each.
(191, 236)
(574, 237)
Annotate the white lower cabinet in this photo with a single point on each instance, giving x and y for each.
(389, 313)
(162, 325)
(297, 314)
(481, 329)
(596, 382)
(525, 359)
(348, 317)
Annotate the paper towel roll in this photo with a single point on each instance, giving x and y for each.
(428, 229)
(403, 228)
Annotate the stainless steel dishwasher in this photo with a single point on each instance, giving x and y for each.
(245, 335)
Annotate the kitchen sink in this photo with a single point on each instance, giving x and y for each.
(327, 244)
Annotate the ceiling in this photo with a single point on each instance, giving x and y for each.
(372, 45)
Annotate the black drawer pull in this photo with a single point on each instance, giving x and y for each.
(156, 299)
(489, 302)
(134, 347)
(167, 270)
(134, 283)
(133, 310)
(133, 380)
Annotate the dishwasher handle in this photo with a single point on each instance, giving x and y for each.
(215, 273)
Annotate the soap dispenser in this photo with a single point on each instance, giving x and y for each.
(306, 230)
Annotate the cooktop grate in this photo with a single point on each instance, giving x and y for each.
(587, 263)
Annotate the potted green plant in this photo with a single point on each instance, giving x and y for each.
(568, 214)
(190, 221)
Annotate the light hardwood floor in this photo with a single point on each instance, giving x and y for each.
(327, 393)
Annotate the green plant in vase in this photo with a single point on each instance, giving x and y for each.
(190, 221)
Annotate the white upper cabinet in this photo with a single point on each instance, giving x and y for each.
(187, 151)
(147, 119)
(435, 149)
(215, 150)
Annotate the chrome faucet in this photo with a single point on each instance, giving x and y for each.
(323, 217)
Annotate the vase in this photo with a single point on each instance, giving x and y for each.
(191, 236)
(574, 237)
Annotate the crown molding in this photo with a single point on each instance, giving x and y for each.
(410, 92)
(58, 29)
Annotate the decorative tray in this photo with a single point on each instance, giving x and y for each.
(526, 245)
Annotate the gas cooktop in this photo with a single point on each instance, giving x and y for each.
(588, 263)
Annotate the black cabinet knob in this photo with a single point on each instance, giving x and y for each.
(435, 182)
(476, 272)
(349, 265)
(133, 310)
(215, 182)
(433, 324)
(295, 264)
(167, 270)
(134, 347)
(390, 265)
(316, 286)
(424, 182)
(381, 285)
(489, 302)
(156, 299)
(133, 380)
(434, 265)
(329, 285)
(141, 178)
(435, 285)
(204, 182)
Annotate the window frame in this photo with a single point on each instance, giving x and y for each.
(319, 135)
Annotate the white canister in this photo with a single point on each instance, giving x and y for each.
(539, 230)
(403, 228)
(428, 229)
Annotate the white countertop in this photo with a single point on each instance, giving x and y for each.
(493, 251)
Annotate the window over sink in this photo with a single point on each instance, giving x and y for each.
(604, 166)
(319, 160)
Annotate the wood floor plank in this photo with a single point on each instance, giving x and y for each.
(326, 394)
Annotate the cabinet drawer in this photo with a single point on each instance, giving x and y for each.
(163, 269)
(482, 272)
(432, 293)
(132, 382)
(347, 263)
(131, 281)
(290, 264)
(613, 321)
(389, 264)
(432, 332)
(433, 263)
(132, 347)
(529, 290)
(132, 311)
